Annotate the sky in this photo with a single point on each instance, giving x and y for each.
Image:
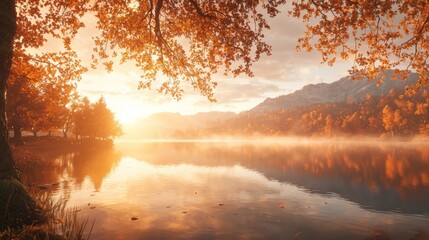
(284, 72)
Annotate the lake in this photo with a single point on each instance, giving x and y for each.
(247, 190)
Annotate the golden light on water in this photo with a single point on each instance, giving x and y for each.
(232, 189)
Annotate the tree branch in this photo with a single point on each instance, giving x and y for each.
(158, 34)
(199, 10)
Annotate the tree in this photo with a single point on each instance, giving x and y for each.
(40, 92)
(58, 89)
(7, 34)
(81, 118)
(388, 119)
(24, 101)
(95, 120)
(66, 119)
(104, 121)
(329, 123)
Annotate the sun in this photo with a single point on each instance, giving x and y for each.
(127, 111)
(125, 116)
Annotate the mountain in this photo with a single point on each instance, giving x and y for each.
(340, 107)
(342, 90)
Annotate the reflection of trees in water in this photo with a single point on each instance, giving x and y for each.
(402, 169)
(388, 166)
(49, 170)
(380, 171)
(95, 164)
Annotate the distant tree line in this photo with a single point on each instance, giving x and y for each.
(395, 114)
(45, 99)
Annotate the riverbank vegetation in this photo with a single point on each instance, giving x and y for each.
(53, 219)
(58, 223)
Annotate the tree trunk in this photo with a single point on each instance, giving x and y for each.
(17, 136)
(7, 34)
(21, 208)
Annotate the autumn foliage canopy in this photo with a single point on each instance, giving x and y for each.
(188, 41)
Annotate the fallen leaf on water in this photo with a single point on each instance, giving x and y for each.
(221, 204)
(92, 207)
(184, 212)
(282, 206)
(134, 218)
(168, 207)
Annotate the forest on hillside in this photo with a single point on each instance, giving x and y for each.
(395, 114)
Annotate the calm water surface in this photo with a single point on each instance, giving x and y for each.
(198, 190)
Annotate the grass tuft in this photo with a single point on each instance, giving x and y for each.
(61, 223)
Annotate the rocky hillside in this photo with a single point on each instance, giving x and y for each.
(342, 90)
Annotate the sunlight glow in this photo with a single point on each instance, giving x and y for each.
(127, 116)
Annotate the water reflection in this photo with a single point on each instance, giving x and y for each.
(85, 164)
(248, 191)
(94, 164)
(381, 177)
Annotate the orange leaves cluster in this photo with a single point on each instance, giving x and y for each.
(45, 80)
(39, 19)
(40, 89)
(187, 41)
(378, 35)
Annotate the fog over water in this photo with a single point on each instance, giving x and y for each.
(271, 188)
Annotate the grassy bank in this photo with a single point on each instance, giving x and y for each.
(58, 221)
